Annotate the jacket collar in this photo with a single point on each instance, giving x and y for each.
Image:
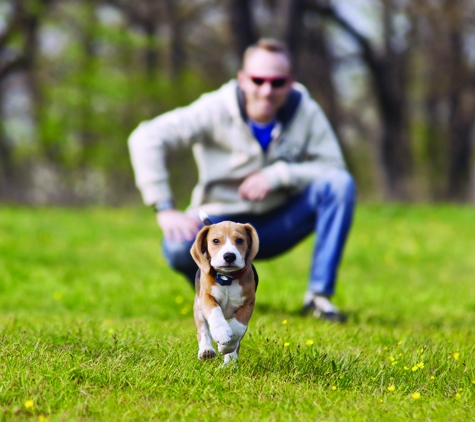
(285, 113)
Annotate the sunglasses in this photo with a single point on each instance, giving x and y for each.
(275, 82)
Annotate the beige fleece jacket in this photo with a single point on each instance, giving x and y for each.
(226, 152)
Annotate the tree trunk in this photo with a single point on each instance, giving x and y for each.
(177, 52)
(289, 23)
(242, 27)
(395, 147)
(462, 110)
(460, 146)
(434, 147)
(6, 165)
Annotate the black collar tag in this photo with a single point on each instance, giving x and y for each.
(224, 279)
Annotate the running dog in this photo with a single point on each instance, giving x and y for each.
(225, 285)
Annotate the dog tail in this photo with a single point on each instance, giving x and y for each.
(205, 219)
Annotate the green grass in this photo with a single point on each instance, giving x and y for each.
(95, 327)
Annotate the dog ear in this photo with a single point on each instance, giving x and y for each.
(199, 250)
(253, 242)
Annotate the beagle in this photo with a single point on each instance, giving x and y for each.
(225, 284)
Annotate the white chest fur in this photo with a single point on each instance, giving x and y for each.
(229, 298)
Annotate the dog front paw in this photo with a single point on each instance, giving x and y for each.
(222, 334)
(224, 349)
(206, 354)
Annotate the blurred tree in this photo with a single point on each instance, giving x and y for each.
(19, 51)
(443, 34)
(388, 71)
(461, 99)
(242, 25)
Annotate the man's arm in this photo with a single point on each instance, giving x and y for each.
(148, 145)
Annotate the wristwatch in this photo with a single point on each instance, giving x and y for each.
(163, 205)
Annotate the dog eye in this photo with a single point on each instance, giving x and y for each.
(239, 241)
(216, 241)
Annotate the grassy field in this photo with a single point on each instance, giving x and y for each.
(95, 327)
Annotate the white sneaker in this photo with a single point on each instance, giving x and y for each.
(321, 307)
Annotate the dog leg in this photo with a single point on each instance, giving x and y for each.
(219, 327)
(238, 330)
(205, 345)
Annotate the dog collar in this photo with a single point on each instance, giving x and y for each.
(227, 279)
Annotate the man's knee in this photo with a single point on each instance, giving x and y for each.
(338, 184)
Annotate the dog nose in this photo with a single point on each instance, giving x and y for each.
(229, 257)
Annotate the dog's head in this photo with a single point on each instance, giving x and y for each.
(225, 246)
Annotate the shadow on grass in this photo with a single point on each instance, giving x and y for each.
(364, 318)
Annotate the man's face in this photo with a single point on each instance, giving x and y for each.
(266, 82)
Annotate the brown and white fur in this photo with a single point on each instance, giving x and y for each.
(222, 312)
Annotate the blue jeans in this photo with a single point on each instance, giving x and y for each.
(325, 206)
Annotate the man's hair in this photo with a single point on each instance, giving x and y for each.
(268, 44)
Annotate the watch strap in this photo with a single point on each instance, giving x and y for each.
(163, 205)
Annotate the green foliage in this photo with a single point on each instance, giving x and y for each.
(95, 90)
(94, 326)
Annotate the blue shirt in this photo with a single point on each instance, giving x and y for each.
(262, 132)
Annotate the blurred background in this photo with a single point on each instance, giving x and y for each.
(395, 77)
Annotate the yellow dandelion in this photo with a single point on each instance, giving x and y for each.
(460, 389)
(380, 400)
(458, 396)
(391, 359)
(415, 368)
(394, 363)
(334, 387)
(406, 368)
(57, 295)
(42, 419)
(385, 348)
(179, 299)
(286, 344)
(111, 330)
(29, 404)
(456, 355)
(473, 381)
(185, 310)
(432, 377)
(284, 322)
(416, 395)
(391, 388)
(420, 365)
(399, 343)
(400, 354)
(309, 342)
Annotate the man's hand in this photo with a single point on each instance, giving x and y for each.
(255, 187)
(178, 225)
